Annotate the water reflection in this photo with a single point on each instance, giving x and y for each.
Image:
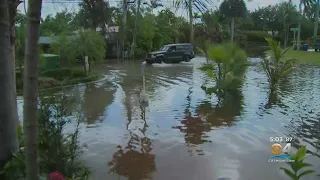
(208, 116)
(135, 161)
(96, 98)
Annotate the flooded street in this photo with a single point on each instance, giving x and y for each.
(183, 134)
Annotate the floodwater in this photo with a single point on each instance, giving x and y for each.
(183, 134)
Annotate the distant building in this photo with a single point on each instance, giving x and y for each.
(113, 43)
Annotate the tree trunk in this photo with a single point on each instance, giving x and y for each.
(299, 26)
(30, 89)
(124, 27)
(13, 4)
(191, 21)
(8, 108)
(316, 23)
(135, 30)
(232, 29)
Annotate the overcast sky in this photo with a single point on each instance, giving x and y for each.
(51, 8)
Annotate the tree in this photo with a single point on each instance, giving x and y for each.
(306, 4)
(316, 22)
(189, 5)
(62, 22)
(232, 9)
(30, 89)
(8, 107)
(85, 43)
(13, 4)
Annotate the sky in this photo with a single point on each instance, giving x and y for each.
(52, 8)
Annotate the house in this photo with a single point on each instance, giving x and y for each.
(113, 43)
(46, 42)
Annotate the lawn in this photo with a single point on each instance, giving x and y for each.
(305, 57)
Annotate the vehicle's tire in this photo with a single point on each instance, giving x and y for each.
(315, 50)
(186, 58)
(149, 62)
(159, 60)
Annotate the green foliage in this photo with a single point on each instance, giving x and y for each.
(58, 74)
(256, 36)
(233, 8)
(297, 165)
(76, 73)
(57, 151)
(275, 65)
(87, 43)
(227, 65)
(61, 23)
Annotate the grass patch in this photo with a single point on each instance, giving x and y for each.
(59, 77)
(305, 57)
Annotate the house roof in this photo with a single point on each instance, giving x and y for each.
(47, 40)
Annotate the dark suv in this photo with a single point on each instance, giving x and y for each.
(171, 53)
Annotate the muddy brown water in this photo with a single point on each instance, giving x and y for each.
(183, 134)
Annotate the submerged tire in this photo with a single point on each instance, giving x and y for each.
(186, 58)
(159, 60)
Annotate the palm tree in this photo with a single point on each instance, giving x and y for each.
(316, 22)
(189, 5)
(8, 108)
(233, 9)
(30, 88)
(275, 65)
(306, 4)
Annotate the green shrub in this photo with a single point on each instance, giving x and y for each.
(256, 36)
(226, 66)
(58, 74)
(78, 73)
(47, 82)
(80, 80)
(58, 152)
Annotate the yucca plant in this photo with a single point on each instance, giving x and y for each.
(226, 65)
(275, 65)
(296, 173)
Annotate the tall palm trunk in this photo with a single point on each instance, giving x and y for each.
(30, 88)
(135, 30)
(8, 107)
(191, 21)
(13, 4)
(299, 26)
(232, 29)
(124, 27)
(316, 23)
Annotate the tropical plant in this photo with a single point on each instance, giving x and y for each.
(232, 9)
(227, 64)
(276, 65)
(297, 165)
(189, 5)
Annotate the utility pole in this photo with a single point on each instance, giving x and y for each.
(124, 27)
(135, 30)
